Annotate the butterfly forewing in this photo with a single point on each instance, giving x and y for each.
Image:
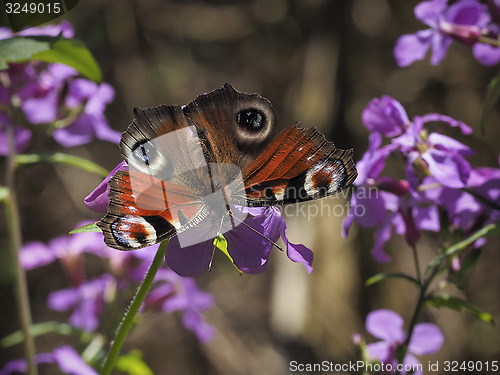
(299, 165)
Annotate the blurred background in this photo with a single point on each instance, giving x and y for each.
(319, 62)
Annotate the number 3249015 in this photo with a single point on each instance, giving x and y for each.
(471, 366)
(32, 8)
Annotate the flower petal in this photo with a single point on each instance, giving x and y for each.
(98, 199)
(412, 47)
(41, 110)
(382, 235)
(62, 300)
(380, 351)
(428, 12)
(426, 339)
(193, 321)
(450, 169)
(70, 362)
(349, 219)
(486, 54)
(427, 217)
(386, 325)
(447, 143)
(439, 46)
(296, 252)
(78, 133)
(373, 162)
(385, 115)
(36, 254)
(249, 249)
(189, 260)
(412, 363)
(437, 117)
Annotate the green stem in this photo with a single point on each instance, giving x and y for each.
(128, 318)
(490, 41)
(14, 230)
(416, 314)
(417, 263)
(61, 158)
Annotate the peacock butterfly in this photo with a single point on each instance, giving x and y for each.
(197, 170)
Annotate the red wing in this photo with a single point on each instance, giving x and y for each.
(298, 165)
(150, 212)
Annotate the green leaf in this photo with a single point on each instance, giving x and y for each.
(221, 244)
(37, 329)
(74, 53)
(71, 52)
(492, 94)
(487, 231)
(61, 158)
(92, 227)
(383, 276)
(457, 304)
(19, 49)
(133, 364)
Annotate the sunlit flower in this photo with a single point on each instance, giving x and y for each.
(463, 20)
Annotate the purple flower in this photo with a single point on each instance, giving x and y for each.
(174, 293)
(65, 357)
(53, 94)
(248, 246)
(386, 325)
(86, 300)
(91, 123)
(443, 156)
(386, 116)
(248, 249)
(463, 20)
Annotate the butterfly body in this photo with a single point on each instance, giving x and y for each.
(191, 165)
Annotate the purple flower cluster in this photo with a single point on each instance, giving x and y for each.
(438, 178)
(248, 245)
(72, 108)
(468, 21)
(387, 326)
(88, 298)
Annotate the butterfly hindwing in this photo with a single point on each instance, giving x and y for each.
(160, 211)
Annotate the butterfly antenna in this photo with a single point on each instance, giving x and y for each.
(256, 231)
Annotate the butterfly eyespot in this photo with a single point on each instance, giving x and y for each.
(251, 119)
(145, 153)
(147, 157)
